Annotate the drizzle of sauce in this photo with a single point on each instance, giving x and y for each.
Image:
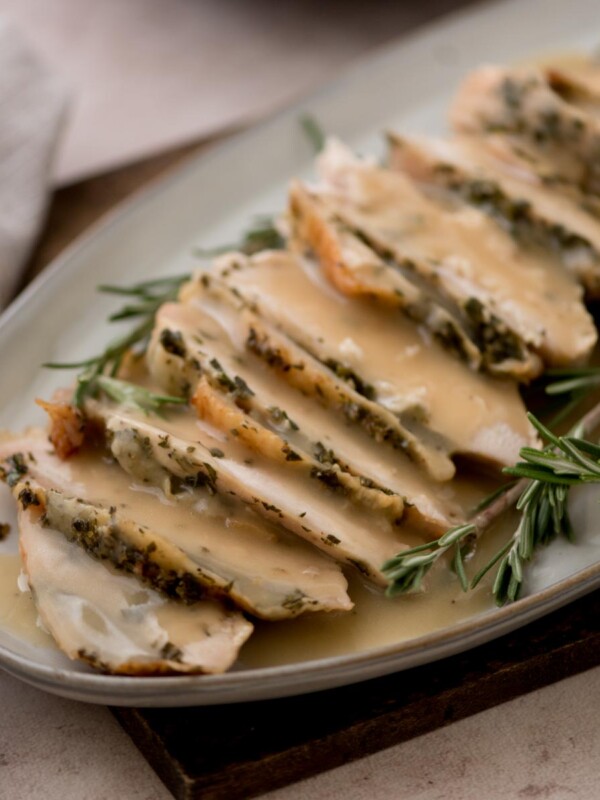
(377, 621)
(476, 413)
(264, 562)
(18, 614)
(315, 424)
(537, 297)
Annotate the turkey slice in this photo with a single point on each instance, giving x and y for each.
(113, 622)
(187, 544)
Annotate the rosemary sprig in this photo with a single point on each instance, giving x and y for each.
(97, 372)
(130, 394)
(145, 299)
(571, 380)
(405, 572)
(544, 478)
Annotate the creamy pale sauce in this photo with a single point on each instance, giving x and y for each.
(18, 614)
(266, 564)
(375, 620)
(479, 415)
(380, 462)
(567, 148)
(112, 620)
(518, 182)
(299, 367)
(467, 253)
(334, 523)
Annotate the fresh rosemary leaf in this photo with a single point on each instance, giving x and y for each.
(490, 565)
(531, 473)
(458, 566)
(155, 287)
(487, 501)
(132, 395)
(71, 365)
(573, 384)
(587, 447)
(542, 429)
(405, 572)
(127, 312)
(576, 384)
(314, 132)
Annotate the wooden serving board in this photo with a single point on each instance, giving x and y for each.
(240, 751)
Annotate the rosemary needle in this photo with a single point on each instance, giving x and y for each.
(130, 394)
(314, 132)
(576, 383)
(405, 572)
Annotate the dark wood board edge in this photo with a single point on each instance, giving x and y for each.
(244, 750)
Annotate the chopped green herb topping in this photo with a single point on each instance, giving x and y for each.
(279, 416)
(172, 342)
(14, 470)
(348, 375)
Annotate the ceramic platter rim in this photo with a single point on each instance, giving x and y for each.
(339, 105)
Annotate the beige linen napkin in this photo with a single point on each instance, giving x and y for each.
(32, 103)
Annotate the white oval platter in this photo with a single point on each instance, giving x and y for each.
(210, 201)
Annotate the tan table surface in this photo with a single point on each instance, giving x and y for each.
(542, 745)
(545, 745)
